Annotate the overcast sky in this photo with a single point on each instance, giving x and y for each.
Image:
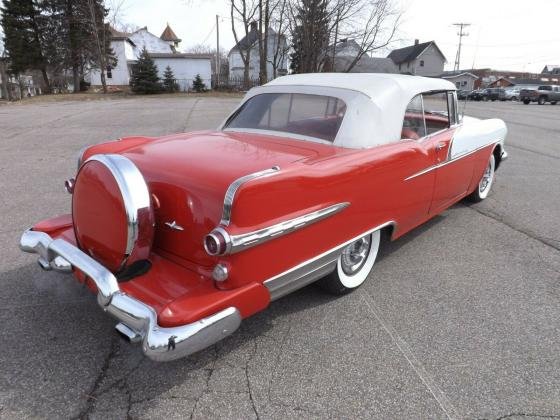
(504, 35)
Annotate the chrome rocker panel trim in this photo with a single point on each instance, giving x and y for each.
(313, 269)
(451, 160)
(138, 321)
(235, 185)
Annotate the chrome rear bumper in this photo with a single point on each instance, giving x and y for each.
(138, 321)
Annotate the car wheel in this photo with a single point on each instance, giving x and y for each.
(542, 100)
(526, 101)
(514, 98)
(484, 98)
(353, 266)
(485, 183)
(553, 103)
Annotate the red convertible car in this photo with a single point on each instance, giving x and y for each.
(183, 236)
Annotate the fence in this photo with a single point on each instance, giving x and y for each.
(224, 82)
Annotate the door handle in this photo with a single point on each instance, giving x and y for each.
(440, 146)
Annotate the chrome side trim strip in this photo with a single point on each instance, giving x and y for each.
(136, 198)
(138, 321)
(313, 269)
(238, 243)
(447, 162)
(232, 189)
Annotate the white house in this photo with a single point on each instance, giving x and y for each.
(163, 49)
(277, 54)
(464, 80)
(421, 59)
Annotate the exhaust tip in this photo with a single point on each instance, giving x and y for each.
(128, 333)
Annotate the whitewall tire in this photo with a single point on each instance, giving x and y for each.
(486, 181)
(354, 265)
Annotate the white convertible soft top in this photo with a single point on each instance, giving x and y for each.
(376, 102)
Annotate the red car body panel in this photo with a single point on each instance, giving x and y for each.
(188, 175)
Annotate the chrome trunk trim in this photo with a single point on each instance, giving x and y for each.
(311, 270)
(137, 320)
(247, 240)
(235, 185)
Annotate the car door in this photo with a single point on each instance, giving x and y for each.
(452, 176)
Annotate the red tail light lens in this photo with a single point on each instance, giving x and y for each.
(215, 243)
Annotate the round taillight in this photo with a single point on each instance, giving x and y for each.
(215, 243)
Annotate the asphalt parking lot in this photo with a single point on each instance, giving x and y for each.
(460, 319)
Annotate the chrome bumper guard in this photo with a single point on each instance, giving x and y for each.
(138, 321)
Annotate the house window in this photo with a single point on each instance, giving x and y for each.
(421, 63)
(109, 72)
(458, 84)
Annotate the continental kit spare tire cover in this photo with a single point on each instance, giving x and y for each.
(112, 213)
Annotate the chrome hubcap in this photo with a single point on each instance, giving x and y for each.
(355, 255)
(486, 178)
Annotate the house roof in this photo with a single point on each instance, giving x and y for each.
(116, 34)
(365, 64)
(452, 75)
(253, 36)
(169, 35)
(182, 55)
(406, 54)
(342, 45)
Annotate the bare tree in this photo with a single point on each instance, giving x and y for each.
(116, 17)
(263, 27)
(378, 27)
(279, 22)
(243, 11)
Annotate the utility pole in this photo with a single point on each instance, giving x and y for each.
(461, 35)
(217, 50)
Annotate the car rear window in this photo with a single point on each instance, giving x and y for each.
(308, 115)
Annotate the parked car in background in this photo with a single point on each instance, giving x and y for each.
(476, 95)
(512, 94)
(541, 95)
(462, 94)
(183, 236)
(494, 94)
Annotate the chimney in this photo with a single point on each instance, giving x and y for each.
(416, 41)
(254, 25)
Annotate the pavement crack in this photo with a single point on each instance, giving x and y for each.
(276, 362)
(550, 242)
(538, 416)
(249, 389)
(92, 394)
(187, 120)
(445, 404)
(209, 372)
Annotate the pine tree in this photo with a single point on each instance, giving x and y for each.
(28, 37)
(198, 85)
(145, 75)
(169, 82)
(311, 36)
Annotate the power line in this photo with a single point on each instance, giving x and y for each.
(461, 35)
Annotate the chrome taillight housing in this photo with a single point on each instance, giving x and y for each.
(217, 242)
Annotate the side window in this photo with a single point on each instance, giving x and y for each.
(436, 112)
(413, 124)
